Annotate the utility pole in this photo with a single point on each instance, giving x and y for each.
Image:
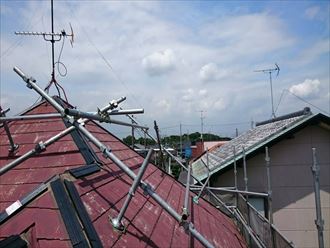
(270, 71)
(180, 139)
(202, 127)
(133, 138)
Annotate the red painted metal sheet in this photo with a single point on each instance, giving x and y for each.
(103, 194)
(44, 243)
(12, 192)
(45, 201)
(28, 176)
(43, 108)
(162, 232)
(31, 138)
(48, 224)
(180, 238)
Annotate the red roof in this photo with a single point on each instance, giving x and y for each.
(102, 193)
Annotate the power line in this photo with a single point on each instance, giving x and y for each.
(106, 61)
(305, 101)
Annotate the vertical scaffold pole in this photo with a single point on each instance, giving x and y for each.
(269, 189)
(245, 171)
(319, 221)
(185, 211)
(235, 167)
(13, 146)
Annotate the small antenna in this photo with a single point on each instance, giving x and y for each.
(270, 71)
(52, 37)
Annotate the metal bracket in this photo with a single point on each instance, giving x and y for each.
(13, 146)
(40, 147)
(118, 225)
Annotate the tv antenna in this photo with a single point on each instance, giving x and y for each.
(52, 37)
(270, 71)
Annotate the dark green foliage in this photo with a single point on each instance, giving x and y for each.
(174, 140)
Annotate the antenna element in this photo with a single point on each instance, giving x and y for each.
(270, 71)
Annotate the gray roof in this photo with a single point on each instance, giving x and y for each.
(223, 156)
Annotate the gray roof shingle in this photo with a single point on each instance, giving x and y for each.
(223, 156)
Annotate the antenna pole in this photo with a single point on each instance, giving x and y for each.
(277, 68)
(52, 40)
(271, 93)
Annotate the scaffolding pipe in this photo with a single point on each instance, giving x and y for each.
(31, 83)
(245, 171)
(230, 212)
(13, 146)
(269, 189)
(196, 198)
(30, 117)
(235, 167)
(197, 180)
(126, 112)
(161, 162)
(97, 117)
(319, 222)
(106, 152)
(117, 222)
(146, 187)
(185, 212)
(40, 147)
(235, 191)
(248, 229)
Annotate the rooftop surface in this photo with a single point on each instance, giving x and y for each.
(66, 211)
(219, 158)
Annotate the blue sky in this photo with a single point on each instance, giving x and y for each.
(175, 58)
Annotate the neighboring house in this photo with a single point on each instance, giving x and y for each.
(67, 194)
(290, 140)
(200, 147)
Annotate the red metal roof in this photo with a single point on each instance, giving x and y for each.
(102, 193)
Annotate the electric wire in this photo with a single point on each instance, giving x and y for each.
(106, 61)
(279, 102)
(59, 62)
(305, 101)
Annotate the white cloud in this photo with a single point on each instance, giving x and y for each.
(307, 88)
(202, 92)
(188, 95)
(219, 104)
(164, 106)
(159, 62)
(312, 12)
(250, 34)
(211, 72)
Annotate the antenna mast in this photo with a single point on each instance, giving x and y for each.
(52, 37)
(270, 71)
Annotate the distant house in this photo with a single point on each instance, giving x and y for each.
(290, 140)
(200, 147)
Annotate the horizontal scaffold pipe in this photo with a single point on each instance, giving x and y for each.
(234, 191)
(30, 117)
(97, 117)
